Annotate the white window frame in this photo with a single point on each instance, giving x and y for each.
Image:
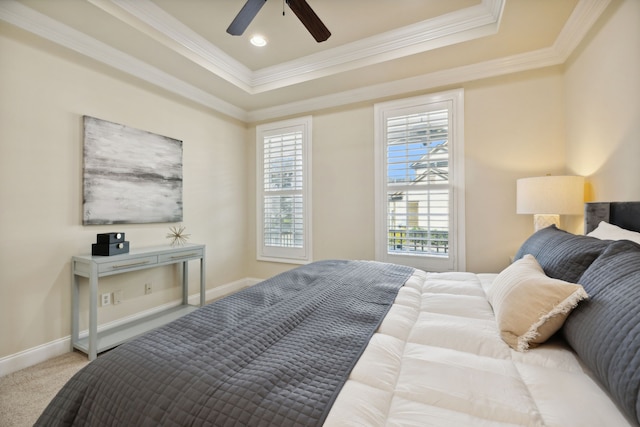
(455, 261)
(289, 255)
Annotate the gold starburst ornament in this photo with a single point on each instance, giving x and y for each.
(177, 235)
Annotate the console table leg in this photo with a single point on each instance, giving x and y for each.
(75, 307)
(93, 267)
(185, 282)
(202, 280)
(93, 315)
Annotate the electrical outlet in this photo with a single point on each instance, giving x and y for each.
(117, 296)
(105, 299)
(147, 288)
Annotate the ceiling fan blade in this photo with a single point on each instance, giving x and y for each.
(309, 19)
(245, 16)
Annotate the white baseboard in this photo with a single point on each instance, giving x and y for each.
(46, 351)
(224, 290)
(35, 355)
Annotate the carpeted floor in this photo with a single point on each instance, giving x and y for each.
(25, 394)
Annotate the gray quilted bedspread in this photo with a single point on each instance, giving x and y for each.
(275, 354)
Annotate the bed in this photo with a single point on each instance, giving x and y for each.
(553, 340)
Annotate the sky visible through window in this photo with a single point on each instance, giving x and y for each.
(409, 153)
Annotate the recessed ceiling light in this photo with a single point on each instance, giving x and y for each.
(258, 40)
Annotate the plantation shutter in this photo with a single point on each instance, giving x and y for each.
(284, 191)
(417, 182)
(283, 184)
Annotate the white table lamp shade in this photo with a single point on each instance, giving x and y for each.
(548, 197)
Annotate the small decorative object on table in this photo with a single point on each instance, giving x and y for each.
(110, 244)
(177, 235)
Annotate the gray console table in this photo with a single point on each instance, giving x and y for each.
(94, 267)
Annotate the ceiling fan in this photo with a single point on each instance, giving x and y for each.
(301, 8)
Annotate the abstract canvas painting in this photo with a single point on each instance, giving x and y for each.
(130, 175)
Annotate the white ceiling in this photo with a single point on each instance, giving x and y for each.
(378, 48)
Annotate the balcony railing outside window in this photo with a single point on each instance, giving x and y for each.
(432, 242)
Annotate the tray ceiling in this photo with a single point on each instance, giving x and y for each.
(378, 48)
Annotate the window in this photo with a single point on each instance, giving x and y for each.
(419, 153)
(284, 191)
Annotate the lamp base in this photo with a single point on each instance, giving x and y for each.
(541, 221)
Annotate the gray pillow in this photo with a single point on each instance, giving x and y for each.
(605, 329)
(562, 255)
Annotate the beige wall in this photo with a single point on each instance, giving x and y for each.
(553, 120)
(43, 97)
(580, 119)
(513, 128)
(602, 87)
(342, 191)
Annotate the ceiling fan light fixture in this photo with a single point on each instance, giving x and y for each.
(300, 8)
(258, 40)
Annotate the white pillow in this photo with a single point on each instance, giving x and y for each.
(530, 306)
(606, 231)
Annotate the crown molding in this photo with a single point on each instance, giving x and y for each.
(455, 27)
(585, 14)
(493, 68)
(582, 18)
(37, 23)
(149, 19)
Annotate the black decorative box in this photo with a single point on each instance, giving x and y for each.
(108, 249)
(110, 238)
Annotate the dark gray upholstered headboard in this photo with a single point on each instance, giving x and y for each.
(622, 214)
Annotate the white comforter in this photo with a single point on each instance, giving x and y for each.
(438, 360)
